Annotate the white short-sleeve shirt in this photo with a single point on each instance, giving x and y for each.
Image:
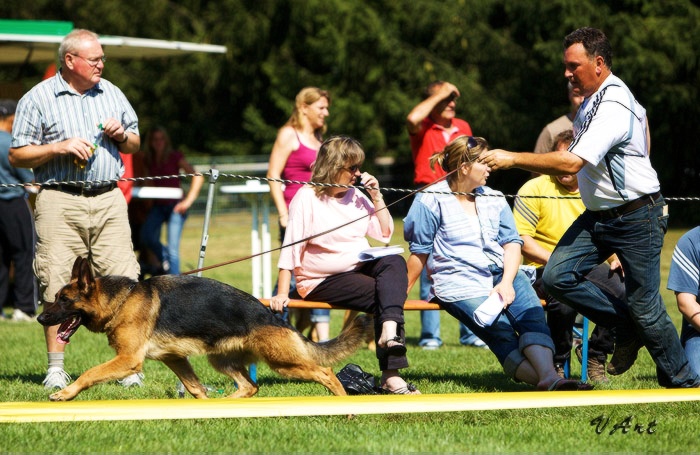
(610, 133)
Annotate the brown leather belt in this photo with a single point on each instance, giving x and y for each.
(627, 207)
(80, 190)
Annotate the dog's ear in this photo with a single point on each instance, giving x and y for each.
(76, 268)
(85, 277)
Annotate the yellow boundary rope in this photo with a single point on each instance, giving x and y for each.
(326, 405)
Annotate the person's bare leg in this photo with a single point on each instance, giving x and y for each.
(50, 333)
(323, 330)
(526, 373)
(392, 382)
(542, 362)
(389, 329)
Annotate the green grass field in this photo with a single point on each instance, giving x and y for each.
(452, 369)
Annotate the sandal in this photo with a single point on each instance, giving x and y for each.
(562, 384)
(395, 349)
(408, 389)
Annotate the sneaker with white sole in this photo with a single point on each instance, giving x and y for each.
(431, 345)
(20, 316)
(475, 342)
(479, 343)
(56, 378)
(135, 379)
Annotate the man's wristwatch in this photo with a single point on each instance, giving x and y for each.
(126, 138)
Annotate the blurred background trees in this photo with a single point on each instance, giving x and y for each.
(375, 57)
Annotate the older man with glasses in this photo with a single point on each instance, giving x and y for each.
(70, 129)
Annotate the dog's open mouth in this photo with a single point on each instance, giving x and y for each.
(67, 329)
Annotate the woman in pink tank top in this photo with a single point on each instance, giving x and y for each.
(292, 157)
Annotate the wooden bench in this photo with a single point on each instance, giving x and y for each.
(422, 305)
(410, 305)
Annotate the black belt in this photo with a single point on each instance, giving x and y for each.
(627, 207)
(81, 190)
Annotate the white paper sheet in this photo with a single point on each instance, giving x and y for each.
(487, 312)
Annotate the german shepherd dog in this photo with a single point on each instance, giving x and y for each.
(169, 318)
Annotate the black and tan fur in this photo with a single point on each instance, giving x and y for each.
(169, 318)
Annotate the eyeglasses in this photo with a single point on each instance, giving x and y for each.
(352, 169)
(92, 61)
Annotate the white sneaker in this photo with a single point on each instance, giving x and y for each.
(56, 378)
(431, 345)
(477, 343)
(20, 316)
(135, 379)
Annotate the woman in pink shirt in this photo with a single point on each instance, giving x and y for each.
(293, 154)
(327, 267)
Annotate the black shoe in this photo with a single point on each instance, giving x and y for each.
(624, 356)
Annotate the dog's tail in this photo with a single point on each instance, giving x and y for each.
(345, 344)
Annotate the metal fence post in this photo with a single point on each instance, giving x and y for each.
(214, 175)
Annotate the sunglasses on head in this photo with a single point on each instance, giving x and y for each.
(471, 143)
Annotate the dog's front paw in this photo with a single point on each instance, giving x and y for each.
(61, 395)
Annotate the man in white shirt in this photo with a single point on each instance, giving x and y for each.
(625, 212)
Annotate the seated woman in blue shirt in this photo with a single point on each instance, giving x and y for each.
(471, 247)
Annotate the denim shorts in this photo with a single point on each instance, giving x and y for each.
(320, 315)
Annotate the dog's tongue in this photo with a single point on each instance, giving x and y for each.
(67, 329)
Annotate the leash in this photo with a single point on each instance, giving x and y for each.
(327, 231)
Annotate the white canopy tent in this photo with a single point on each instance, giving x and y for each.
(27, 42)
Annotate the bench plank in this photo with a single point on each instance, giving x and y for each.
(410, 305)
(419, 305)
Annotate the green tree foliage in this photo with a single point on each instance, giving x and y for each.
(375, 57)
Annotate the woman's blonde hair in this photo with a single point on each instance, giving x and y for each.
(462, 150)
(306, 97)
(336, 153)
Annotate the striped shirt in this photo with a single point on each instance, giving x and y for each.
(462, 248)
(684, 274)
(610, 133)
(53, 112)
